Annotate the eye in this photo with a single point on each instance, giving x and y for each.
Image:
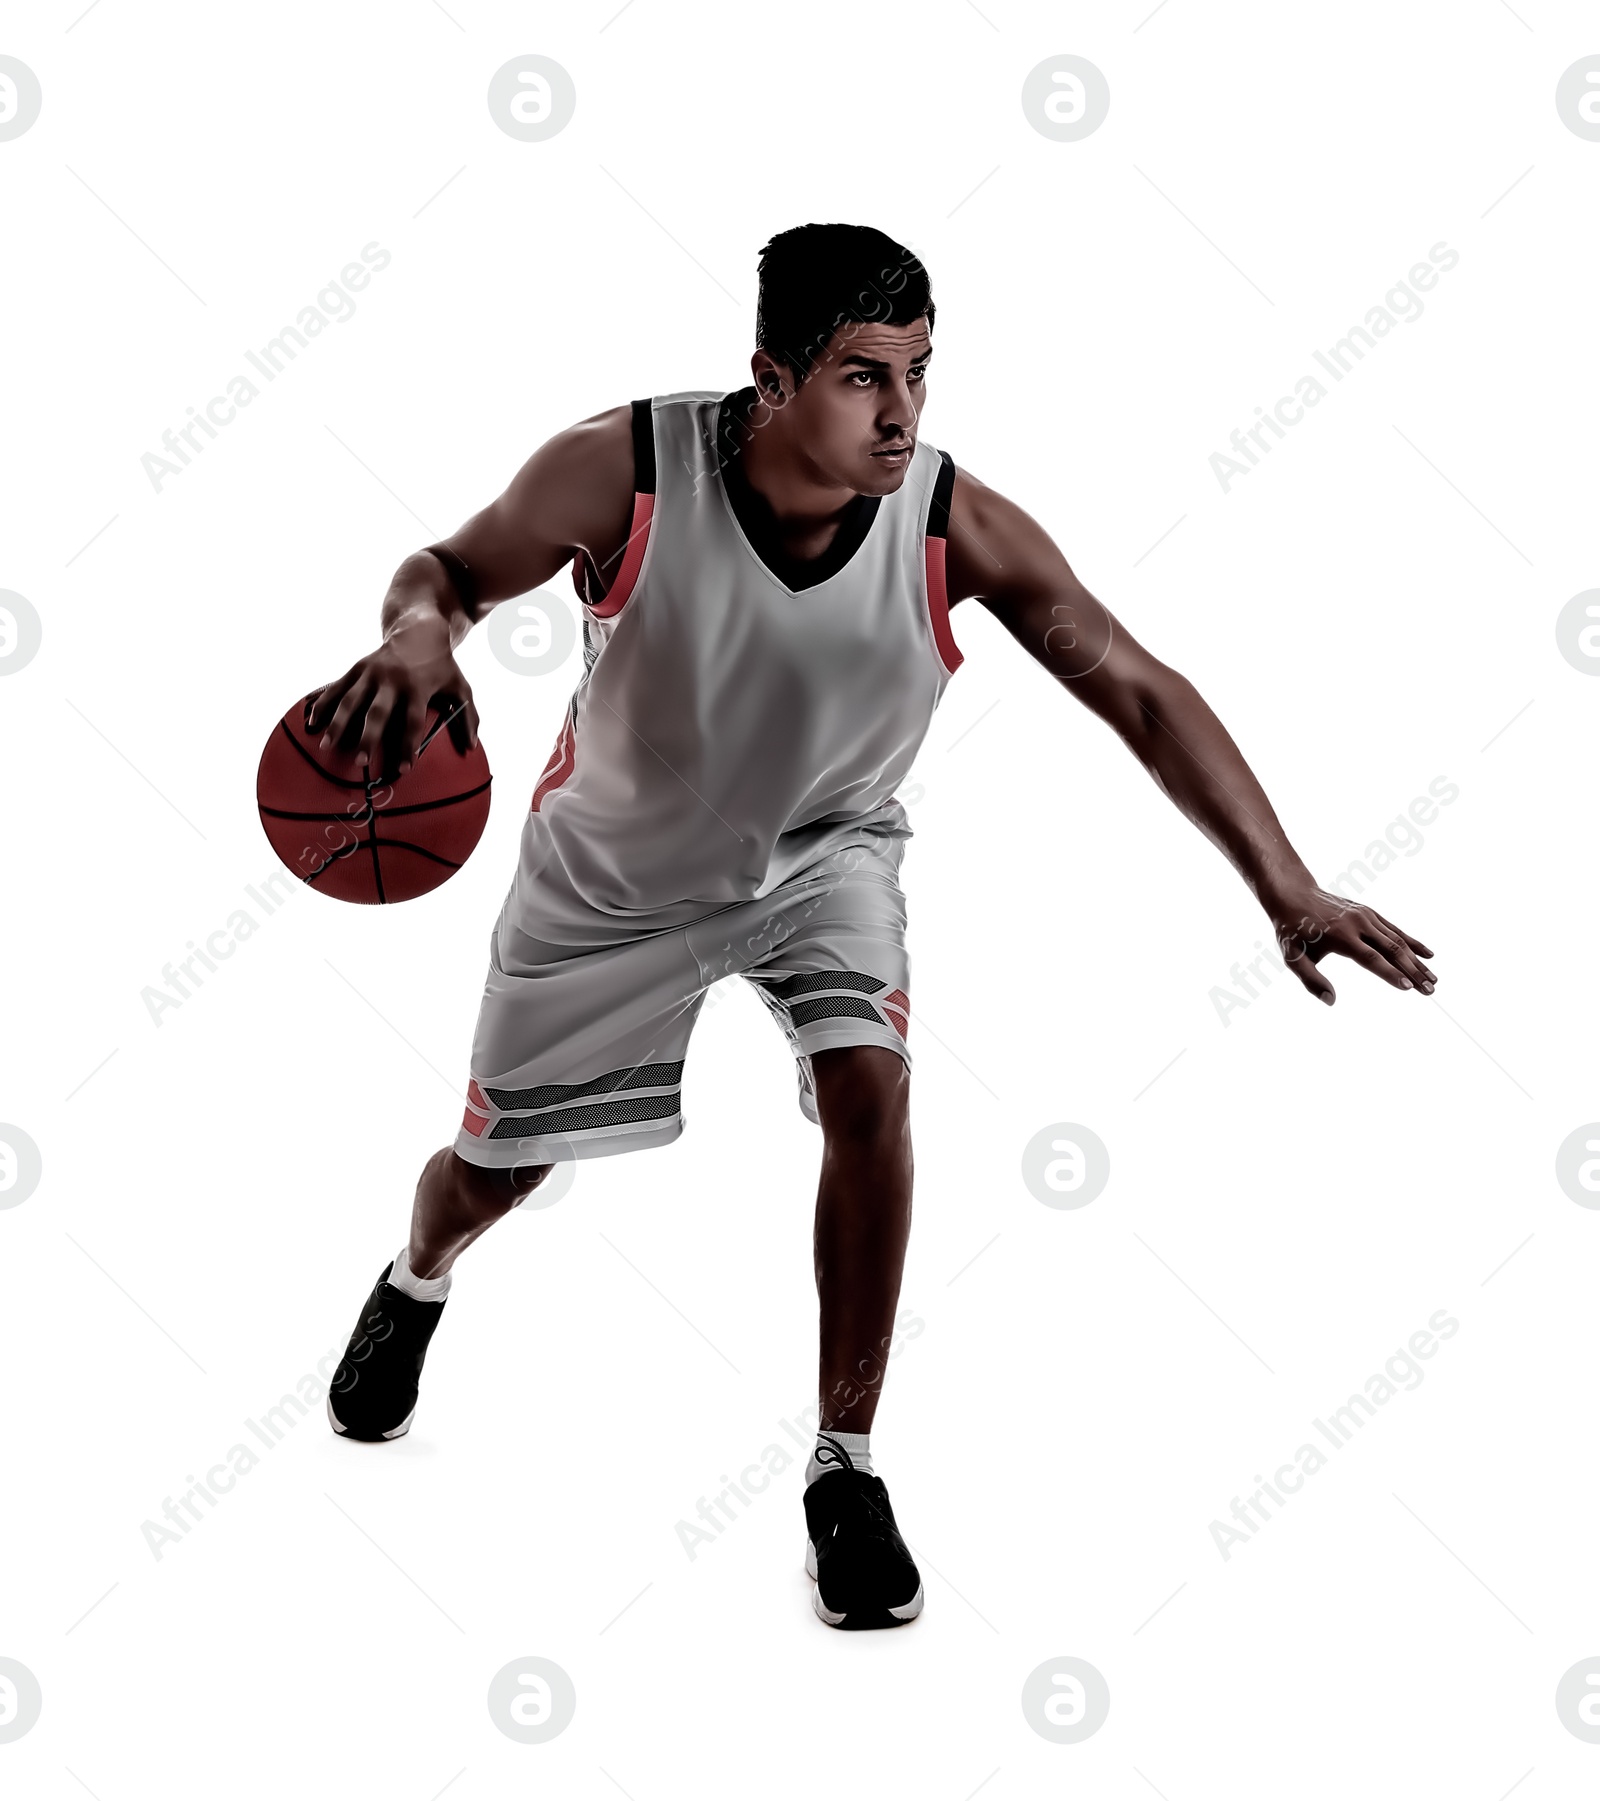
(917, 374)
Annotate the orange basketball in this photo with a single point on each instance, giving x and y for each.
(363, 840)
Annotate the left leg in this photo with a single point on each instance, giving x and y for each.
(833, 970)
(862, 1225)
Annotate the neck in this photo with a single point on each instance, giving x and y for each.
(802, 499)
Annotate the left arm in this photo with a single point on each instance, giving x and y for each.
(999, 555)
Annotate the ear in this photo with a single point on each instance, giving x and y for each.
(773, 380)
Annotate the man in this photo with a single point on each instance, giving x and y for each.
(766, 578)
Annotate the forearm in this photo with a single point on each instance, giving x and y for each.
(422, 602)
(1191, 758)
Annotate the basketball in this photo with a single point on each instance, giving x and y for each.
(370, 841)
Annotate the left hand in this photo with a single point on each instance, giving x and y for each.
(1310, 923)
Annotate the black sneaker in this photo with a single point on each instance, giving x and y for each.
(375, 1386)
(864, 1574)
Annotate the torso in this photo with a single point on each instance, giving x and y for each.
(743, 713)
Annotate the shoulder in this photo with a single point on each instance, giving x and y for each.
(975, 507)
(993, 543)
(581, 480)
(599, 448)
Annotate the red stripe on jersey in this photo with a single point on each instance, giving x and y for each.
(473, 1123)
(562, 759)
(475, 1095)
(939, 606)
(644, 506)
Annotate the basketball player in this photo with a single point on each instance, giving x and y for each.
(766, 578)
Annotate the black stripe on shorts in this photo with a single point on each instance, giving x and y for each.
(585, 1119)
(833, 1006)
(792, 986)
(641, 1075)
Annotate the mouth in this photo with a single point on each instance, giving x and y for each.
(894, 459)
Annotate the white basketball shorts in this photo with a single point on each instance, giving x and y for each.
(579, 1052)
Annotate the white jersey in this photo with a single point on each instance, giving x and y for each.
(741, 716)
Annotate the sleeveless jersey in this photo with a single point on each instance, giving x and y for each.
(731, 730)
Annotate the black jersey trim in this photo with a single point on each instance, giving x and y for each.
(644, 447)
(586, 580)
(944, 488)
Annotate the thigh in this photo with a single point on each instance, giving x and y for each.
(582, 1055)
(830, 959)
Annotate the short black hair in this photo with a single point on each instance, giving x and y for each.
(815, 278)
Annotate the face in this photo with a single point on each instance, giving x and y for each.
(854, 417)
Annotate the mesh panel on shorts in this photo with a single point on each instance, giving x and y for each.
(835, 1006)
(581, 1119)
(824, 979)
(643, 1075)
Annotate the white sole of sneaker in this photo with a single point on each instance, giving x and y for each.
(908, 1612)
(394, 1432)
(912, 1607)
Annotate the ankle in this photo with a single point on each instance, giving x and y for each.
(420, 1288)
(839, 1451)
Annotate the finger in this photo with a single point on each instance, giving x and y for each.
(458, 715)
(349, 709)
(1395, 951)
(416, 729)
(1363, 953)
(1399, 952)
(370, 748)
(325, 699)
(397, 735)
(1396, 948)
(1415, 944)
(1301, 964)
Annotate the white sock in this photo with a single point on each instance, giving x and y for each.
(857, 1447)
(420, 1288)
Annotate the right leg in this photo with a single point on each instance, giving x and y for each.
(576, 1057)
(374, 1390)
(458, 1202)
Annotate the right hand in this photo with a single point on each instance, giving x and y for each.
(379, 706)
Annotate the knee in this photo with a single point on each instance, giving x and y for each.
(487, 1193)
(863, 1096)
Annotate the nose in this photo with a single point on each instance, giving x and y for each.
(897, 415)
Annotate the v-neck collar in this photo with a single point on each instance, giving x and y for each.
(755, 518)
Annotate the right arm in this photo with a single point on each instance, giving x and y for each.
(574, 493)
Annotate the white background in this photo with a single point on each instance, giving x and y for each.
(1290, 1199)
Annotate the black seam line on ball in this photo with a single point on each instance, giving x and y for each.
(358, 844)
(372, 845)
(417, 849)
(338, 781)
(421, 806)
(338, 856)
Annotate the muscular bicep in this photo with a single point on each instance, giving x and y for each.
(1003, 558)
(574, 493)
